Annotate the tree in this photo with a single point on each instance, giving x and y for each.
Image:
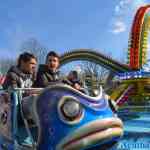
(32, 45)
(5, 64)
(94, 75)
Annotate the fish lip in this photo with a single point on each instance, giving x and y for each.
(95, 131)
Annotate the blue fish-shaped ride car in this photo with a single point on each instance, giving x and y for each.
(67, 119)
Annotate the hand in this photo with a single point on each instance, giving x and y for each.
(77, 86)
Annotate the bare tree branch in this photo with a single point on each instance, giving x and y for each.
(94, 74)
(5, 64)
(32, 45)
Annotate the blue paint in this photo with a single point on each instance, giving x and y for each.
(53, 129)
(47, 104)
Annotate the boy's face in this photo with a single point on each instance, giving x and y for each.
(53, 63)
(29, 66)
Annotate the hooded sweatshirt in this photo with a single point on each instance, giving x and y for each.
(45, 76)
(15, 78)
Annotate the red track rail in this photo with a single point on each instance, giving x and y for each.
(2, 78)
(136, 36)
(125, 96)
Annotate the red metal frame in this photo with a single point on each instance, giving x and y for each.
(135, 38)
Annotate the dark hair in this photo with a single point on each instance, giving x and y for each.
(76, 77)
(52, 53)
(25, 57)
(75, 74)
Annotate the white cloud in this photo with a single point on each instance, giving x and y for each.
(122, 5)
(119, 27)
(123, 8)
(138, 3)
(120, 12)
(117, 9)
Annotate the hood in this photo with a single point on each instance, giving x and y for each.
(20, 73)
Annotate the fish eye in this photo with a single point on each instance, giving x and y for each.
(70, 110)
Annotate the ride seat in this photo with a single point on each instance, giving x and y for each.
(28, 109)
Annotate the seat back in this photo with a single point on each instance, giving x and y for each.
(27, 105)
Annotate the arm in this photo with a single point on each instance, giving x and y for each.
(66, 81)
(10, 81)
(41, 80)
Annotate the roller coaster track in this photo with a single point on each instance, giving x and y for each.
(125, 96)
(94, 56)
(137, 55)
(138, 44)
(139, 38)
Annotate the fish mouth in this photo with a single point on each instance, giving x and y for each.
(92, 134)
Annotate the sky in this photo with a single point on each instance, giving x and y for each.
(62, 25)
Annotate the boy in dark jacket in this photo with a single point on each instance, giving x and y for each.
(22, 75)
(48, 73)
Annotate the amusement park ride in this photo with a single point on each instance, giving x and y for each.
(134, 79)
(62, 118)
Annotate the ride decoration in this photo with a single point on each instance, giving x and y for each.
(139, 76)
(94, 56)
(138, 42)
(62, 119)
(132, 74)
